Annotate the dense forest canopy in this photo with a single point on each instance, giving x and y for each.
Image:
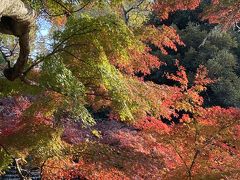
(115, 89)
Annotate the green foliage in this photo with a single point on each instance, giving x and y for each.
(17, 87)
(2, 65)
(193, 35)
(1, 60)
(5, 160)
(94, 33)
(216, 51)
(222, 40)
(116, 86)
(90, 45)
(61, 7)
(55, 76)
(41, 141)
(213, 48)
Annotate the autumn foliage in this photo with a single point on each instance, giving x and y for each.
(92, 113)
(196, 141)
(223, 12)
(165, 7)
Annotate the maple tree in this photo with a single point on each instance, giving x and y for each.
(223, 12)
(97, 57)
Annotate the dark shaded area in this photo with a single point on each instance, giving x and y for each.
(205, 45)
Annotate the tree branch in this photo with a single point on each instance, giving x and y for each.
(17, 19)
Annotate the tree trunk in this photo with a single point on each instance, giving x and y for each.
(17, 19)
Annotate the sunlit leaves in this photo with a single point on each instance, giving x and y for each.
(223, 12)
(164, 7)
(56, 77)
(164, 37)
(109, 39)
(95, 57)
(31, 129)
(5, 160)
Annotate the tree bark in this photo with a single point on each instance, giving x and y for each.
(17, 19)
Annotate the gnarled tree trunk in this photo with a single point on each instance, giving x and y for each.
(17, 19)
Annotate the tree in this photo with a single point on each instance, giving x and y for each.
(208, 45)
(219, 58)
(17, 19)
(95, 61)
